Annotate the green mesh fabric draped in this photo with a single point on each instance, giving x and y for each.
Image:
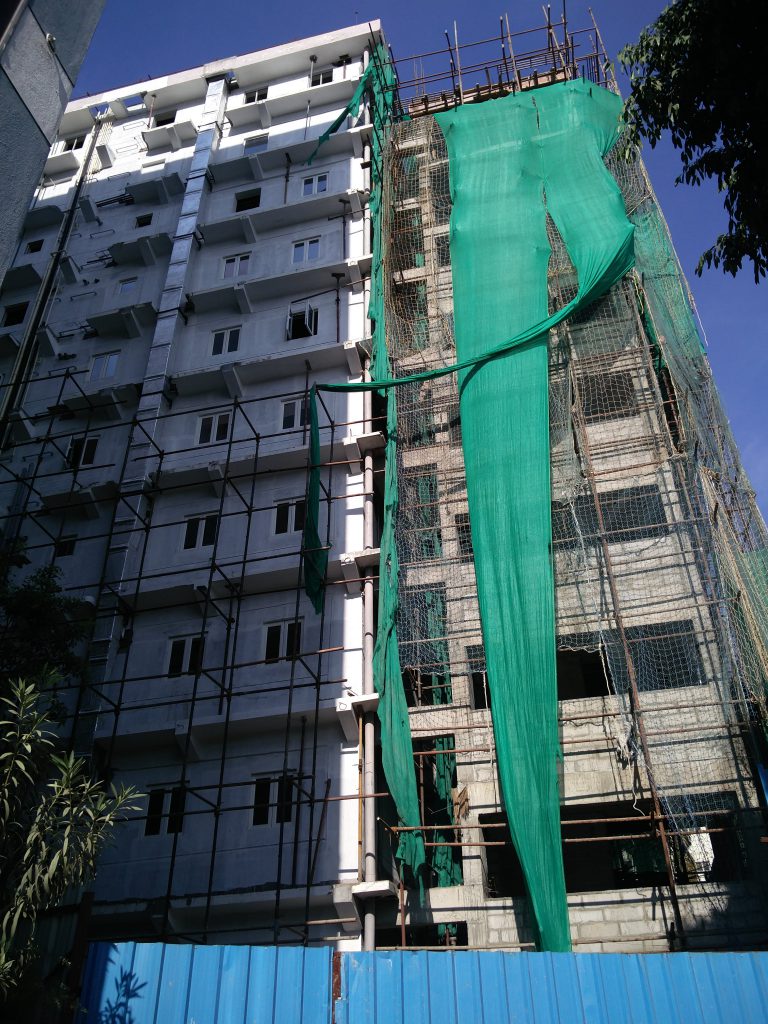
(511, 161)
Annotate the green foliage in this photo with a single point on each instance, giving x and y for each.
(39, 625)
(54, 820)
(697, 73)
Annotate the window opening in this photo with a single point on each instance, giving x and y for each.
(607, 396)
(200, 532)
(629, 514)
(261, 794)
(213, 428)
(163, 120)
(154, 819)
(257, 95)
(104, 365)
(34, 246)
(82, 451)
(249, 200)
(306, 250)
(315, 185)
(321, 77)
(302, 321)
(65, 546)
(227, 339)
(75, 142)
(127, 285)
(143, 220)
(289, 517)
(580, 674)
(420, 510)
(186, 655)
(176, 810)
(14, 314)
(478, 676)
(294, 414)
(237, 265)
(256, 144)
(464, 536)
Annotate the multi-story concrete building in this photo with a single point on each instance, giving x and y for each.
(212, 265)
(42, 45)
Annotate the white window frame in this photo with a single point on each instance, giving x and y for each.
(188, 666)
(300, 413)
(292, 322)
(314, 185)
(216, 419)
(256, 94)
(303, 248)
(285, 626)
(197, 527)
(104, 365)
(240, 263)
(227, 336)
(72, 143)
(292, 505)
(321, 76)
(90, 445)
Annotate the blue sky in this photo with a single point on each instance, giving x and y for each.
(145, 38)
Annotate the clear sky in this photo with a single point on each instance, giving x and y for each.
(147, 38)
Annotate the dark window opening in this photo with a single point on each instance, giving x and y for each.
(65, 546)
(322, 77)
(76, 142)
(82, 451)
(607, 396)
(580, 674)
(417, 415)
(261, 792)
(425, 689)
(435, 784)
(293, 640)
(272, 646)
(481, 695)
(443, 250)
(454, 425)
(163, 120)
(302, 323)
(15, 313)
(282, 514)
(464, 536)
(420, 511)
(503, 874)
(633, 513)
(176, 809)
(299, 516)
(670, 406)
(450, 935)
(250, 200)
(35, 246)
(257, 95)
(284, 810)
(143, 220)
(154, 819)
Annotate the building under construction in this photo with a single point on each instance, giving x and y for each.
(364, 403)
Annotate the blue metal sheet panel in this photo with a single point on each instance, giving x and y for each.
(553, 988)
(157, 983)
(152, 983)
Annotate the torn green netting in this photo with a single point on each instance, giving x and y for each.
(511, 161)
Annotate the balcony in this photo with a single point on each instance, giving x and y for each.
(171, 136)
(244, 296)
(234, 377)
(335, 93)
(256, 114)
(45, 215)
(144, 251)
(108, 402)
(235, 166)
(24, 275)
(61, 163)
(126, 322)
(245, 227)
(156, 189)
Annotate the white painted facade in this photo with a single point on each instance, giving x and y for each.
(203, 247)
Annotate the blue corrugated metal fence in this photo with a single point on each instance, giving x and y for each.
(155, 983)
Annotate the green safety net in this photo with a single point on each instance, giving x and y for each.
(511, 161)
